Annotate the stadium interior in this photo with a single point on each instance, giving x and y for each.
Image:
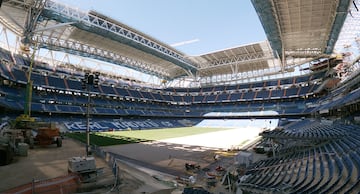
(304, 78)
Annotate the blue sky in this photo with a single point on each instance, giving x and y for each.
(210, 25)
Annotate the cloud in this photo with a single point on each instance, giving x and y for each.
(185, 42)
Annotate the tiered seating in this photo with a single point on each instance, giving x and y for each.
(105, 111)
(291, 92)
(64, 98)
(287, 81)
(330, 164)
(235, 96)
(198, 99)
(277, 94)
(134, 94)
(210, 94)
(178, 98)
(302, 79)
(188, 99)
(248, 95)
(157, 97)
(20, 75)
(68, 109)
(74, 84)
(167, 97)
(313, 130)
(56, 82)
(263, 94)
(222, 97)
(272, 83)
(77, 124)
(110, 103)
(238, 97)
(11, 104)
(38, 79)
(5, 71)
(10, 91)
(210, 98)
(108, 90)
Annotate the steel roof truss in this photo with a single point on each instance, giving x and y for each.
(92, 20)
(240, 59)
(12, 19)
(116, 58)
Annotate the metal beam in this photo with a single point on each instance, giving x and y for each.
(53, 27)
(341, 13)
(32, 21)
(12, 19)
(80, 49)
(241, 59)
(115, 31)
(268, 21)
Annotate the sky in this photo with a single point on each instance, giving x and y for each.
(193, 27)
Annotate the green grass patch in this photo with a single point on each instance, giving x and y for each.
(159, 134)
(99, 140)
(136, 136)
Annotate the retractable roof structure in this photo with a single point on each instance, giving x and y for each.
(306, 29)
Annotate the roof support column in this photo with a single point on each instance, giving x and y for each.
(283, 60)
(32, 21)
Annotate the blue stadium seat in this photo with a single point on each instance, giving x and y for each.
(291, 92)
(56, 82)
(249, 95)
(258, 85)
(302, 79)
(74, 84)
(222, 97)
(262, 94)
(188, 99)
(286, 81)
(235, 97)
(167, 97)
(20, 75)
(198, 98)
(38, 79)
(277, 93)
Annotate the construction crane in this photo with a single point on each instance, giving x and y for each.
(23, 128)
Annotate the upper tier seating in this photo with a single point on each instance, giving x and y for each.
(64, 88)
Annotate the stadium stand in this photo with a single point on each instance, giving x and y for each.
(203, 99)
(315, 147)
(311, 157)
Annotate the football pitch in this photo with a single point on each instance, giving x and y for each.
(216, 137)
(160, 134)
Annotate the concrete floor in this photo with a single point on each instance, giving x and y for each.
(42, 163)
(166, 157)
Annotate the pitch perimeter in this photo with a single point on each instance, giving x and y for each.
(220, 138)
